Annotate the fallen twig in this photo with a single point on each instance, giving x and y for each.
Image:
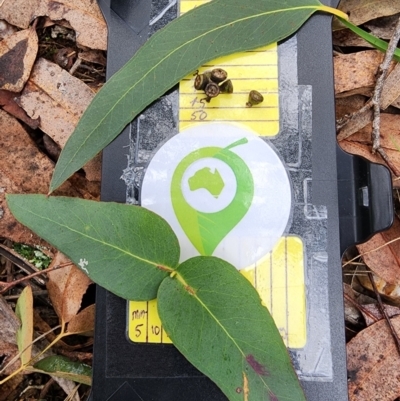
(17, 260)
(360, 307)
(376, 98)
(8, 285)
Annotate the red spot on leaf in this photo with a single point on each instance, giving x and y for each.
(239, 390)
(272, 396)
(256, 366)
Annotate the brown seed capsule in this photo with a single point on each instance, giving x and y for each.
(201, 80)
(211, 90)
(255, 97)
(226, 87)
(218, 75)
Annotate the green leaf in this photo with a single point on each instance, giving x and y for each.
(125, 249)
(373, 40)
(61, 366)
(24, 311)
(215, 29)
(214, 317)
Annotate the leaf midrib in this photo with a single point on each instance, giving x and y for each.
(92, 238)
(185, 284)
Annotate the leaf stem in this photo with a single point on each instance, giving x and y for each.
(334, 11)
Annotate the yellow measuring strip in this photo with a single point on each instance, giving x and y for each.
(256, 69)
(279, 276)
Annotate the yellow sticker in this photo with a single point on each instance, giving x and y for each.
(279, 279)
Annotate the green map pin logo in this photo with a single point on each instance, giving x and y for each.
(206, 230)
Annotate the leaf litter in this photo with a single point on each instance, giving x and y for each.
(84, 16)
(372, 357)
(20, 13)
(72, 30)
(66, 288)
(373, 364)
(17, 55)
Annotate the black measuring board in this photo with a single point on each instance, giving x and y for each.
(337, 200)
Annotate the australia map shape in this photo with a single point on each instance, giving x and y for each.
(207, 179)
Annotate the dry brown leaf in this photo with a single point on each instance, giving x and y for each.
(360, 143)
(361, 11)
(9, 104)
(384, 262)
(390, 132)
(373, 364)
(374, 310)
(41, 327)
(391, 88)
(383, 27)
(356, 72)
(84, 17)
(347, 105)
(59, 100)
(83, 322)
(93, 56)
(23, 169)
(390, 292)
(9, 390)
(6, 29)
(8, 351)
(17, 55)
(66, 288)
(347, 38)
(351, 313)
(64, 96)
(356, 123)
(25, 14)
(9, 324)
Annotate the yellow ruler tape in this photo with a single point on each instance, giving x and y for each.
(279, 276)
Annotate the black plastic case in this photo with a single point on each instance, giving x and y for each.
(356, 196)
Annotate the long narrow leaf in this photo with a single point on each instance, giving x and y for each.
(215, 29)
(125, 249)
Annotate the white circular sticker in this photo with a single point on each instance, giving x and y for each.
(224, 191)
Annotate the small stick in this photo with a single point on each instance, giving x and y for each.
(383, 312)
(376, 98)
(345, 120)
(75, 66)
(360, 307)
(8, 286)
(18, 261)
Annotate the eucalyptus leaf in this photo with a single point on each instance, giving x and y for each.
(61, 366)
(214, 29)
(215, 317)
(125, 249)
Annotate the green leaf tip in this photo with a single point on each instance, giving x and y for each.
(211, 30)
(126, 249)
